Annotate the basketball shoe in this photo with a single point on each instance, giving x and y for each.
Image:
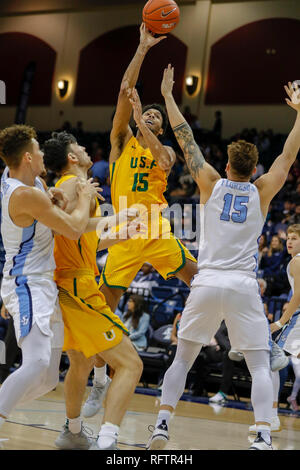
(95, 446)
(159, 437)
(219, 398)
(94, 401)
(260, 444)
(69, 441)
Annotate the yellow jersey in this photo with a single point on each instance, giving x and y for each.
(137, 176)
(75, 254)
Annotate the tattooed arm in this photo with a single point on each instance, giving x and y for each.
(202, 172)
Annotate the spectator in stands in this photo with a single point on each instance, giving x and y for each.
(287, 212)
(66, 126)
(192, 119)
(78, 131)
(295, 218)
(273, 267)
(100, 168)
(144, 281)
(262, 247)
(217, 129)
(271, 261)
(137, 321)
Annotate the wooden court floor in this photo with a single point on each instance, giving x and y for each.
(194, 426)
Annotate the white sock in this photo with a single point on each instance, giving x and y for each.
(163, 415)
(108, 435)
(100, 376)
(265, 432)
(274, 412)
(2, 420)
(74, 425)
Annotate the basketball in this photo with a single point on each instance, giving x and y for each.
(161, 16)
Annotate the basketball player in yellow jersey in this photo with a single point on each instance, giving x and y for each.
(90, 325)
(139, 168)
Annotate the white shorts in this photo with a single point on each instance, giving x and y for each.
(289, 339)
(234, 296)
(34, 299)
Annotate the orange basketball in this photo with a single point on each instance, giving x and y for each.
(161, 16)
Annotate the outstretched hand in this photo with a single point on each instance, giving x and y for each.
(147, 39)
(293, 93)
(167, 81)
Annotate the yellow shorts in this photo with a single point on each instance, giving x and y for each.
(125, 259)
(89, 324)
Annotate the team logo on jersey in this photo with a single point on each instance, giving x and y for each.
(163, 14)
(110, 335)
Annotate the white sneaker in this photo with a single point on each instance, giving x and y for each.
(235, 355)
(278, 359)
(159, 437)
(95, 446)
(261, 444)
(219, 397)
(94, 401)
(275, 426)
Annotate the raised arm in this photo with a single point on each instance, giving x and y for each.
(121, 131)
(204, 174)
(269, 184)
(163, 154)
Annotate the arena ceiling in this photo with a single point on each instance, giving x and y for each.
(16, 7)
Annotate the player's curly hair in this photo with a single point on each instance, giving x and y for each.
(14, 142)
(161, 109)
(56, 151)
(243, 158)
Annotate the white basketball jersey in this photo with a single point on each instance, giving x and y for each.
(290, 278)
(230, 224)
(28, 250)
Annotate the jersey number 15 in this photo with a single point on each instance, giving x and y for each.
(239, 215)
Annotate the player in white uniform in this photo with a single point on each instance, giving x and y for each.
(289, 339)
(231, 219)
(28, 290)
(289, 322)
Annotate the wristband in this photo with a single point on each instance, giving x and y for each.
(279, 324)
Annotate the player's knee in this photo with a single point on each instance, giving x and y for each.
(41, 364)
(136, 366)
(131, 362)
